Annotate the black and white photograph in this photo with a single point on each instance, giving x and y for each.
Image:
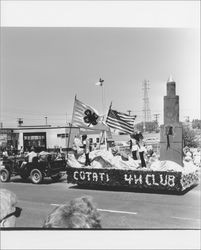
(100, 125)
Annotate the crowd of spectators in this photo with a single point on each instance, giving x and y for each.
(80, 213)
(192, 155)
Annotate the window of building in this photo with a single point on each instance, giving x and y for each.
(37, 140)
(62, 135)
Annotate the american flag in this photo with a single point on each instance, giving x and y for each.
(120, 121)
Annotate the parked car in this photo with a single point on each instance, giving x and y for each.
(35, 170)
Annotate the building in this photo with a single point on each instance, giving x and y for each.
(45, 137)
(8, 137)
(41, 137)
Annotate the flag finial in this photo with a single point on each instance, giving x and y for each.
(100, 82)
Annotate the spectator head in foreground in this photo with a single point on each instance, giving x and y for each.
(8, 209)
(80, 213)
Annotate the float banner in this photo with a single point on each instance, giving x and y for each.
(139, 179)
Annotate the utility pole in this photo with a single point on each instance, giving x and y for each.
(66, 119)
(146, 109)
(45, 120)
(187, 118)
(129, 112)
(156, 120)
(156, 117)
(20, 121)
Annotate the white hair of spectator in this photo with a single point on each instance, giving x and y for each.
(8, 202)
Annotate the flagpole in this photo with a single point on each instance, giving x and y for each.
(102, 94)
(109, 110)
(105, 140)
(74, 108)
(104, 132)
(70, 126)
(103, 104)
(100, 83)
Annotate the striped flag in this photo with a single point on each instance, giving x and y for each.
(87, 117)
(120, 121)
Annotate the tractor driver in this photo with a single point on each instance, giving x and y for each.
(30, 156)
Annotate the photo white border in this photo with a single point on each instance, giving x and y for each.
(178, 14)
(164, 14)
(125, 239)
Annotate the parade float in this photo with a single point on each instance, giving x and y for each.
(170, 173)
(125, 173)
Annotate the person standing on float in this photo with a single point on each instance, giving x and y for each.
(86, 145)
(142, 151)
(134, 147)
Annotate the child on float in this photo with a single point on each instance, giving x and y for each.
(114, 149)
(142, 152)
(149, 151)
(134, 147)
(77, 147)
(86, 146)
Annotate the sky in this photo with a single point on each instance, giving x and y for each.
(43, 68)
(52, 51)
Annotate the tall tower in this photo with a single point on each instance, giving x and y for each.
(171, 132)
(146, 109)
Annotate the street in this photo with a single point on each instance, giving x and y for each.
(118, 209)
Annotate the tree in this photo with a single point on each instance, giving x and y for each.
(149, 126)
(152, 126)
(139, 126)
(189, 137)
(196, 124)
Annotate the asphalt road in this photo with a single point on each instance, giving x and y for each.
(118, 209)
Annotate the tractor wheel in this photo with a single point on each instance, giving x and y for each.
(5, 175)
(36, 176)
